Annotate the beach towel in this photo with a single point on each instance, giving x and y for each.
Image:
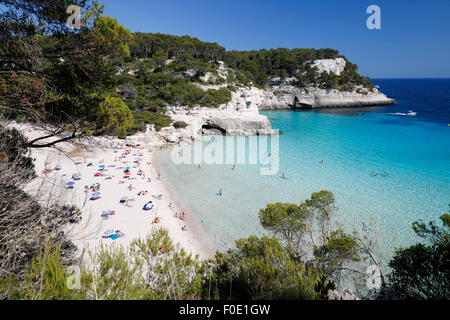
(117, 235)
(108, 233)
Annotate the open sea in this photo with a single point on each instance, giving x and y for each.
(354, 144)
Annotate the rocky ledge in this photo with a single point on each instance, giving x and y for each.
(291, 97)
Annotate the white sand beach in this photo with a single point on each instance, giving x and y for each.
(123, 173)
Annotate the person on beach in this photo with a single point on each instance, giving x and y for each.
(284, 176)
(184, 228)
(159, 175)
(234, 167)
(220, 192)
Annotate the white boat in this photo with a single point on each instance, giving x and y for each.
(411, 113)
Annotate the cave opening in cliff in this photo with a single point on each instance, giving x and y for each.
(218, 130)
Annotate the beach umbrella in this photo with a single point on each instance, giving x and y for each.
(127, 168)
(96, 194)
(97, 174)
(127, 173)
(58, 167)
(70, 183)
(148, 206)
(101, 166)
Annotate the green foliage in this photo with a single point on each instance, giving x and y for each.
(285, 220)
(142, 118)
(45, 279)
(180, 124)
(339, 249)
(114, 116)
(110, 34)
(260, 268)
(264, 64)
(147, 44)
(153, 268)
(307, 230)
(422, 271)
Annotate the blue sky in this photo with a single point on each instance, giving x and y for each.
(413, 41)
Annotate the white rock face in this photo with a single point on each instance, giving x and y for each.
(209, 76)
(335, 66)
(289, 97)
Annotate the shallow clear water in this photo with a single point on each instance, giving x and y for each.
(354, 144)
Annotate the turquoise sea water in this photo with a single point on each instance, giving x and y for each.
(354, 144)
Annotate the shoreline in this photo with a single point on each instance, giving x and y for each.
(131, 220)
(194, 225)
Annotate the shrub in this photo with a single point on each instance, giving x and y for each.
(160, 120)
(180, 124)
(114, 116)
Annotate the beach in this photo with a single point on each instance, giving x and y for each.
(98, 180)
